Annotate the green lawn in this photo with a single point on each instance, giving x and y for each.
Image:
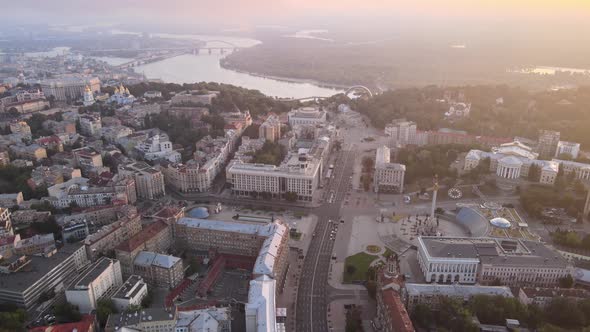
(361, 262)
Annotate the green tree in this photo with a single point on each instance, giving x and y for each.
(566, 282)
(67, 312)
(13, 320)
(534, 173)
(422, 316)
(104, 308)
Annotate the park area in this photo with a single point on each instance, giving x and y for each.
(357, 266)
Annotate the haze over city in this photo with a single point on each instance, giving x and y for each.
(304, 166)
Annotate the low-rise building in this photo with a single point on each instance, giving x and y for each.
(44, 176)
(114, 133)
(402, 132)
(25, 217)
(86, 324)
(152, 94)
(22, 128)
(432, 294)
(33, 152)
(209, 319)
(388, 176)
(147, 320)
(194, 97)
(75, 232)
(87, 158)
(35, 245)
(569, 148)
(541, 297)
(10, 200)
(101, 279)
(158, 270)
(131, 293)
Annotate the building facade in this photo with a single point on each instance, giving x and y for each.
(270, 129)
(101, 279)
(149, 182)
(388, 176)
(547, 144)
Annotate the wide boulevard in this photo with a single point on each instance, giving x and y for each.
(312, 295)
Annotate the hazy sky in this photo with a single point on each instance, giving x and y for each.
(250, 12)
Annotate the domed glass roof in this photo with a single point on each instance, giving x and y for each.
(200, 212)
(500, 223)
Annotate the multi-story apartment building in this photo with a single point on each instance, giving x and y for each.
(44, 176)
(110, 236)
(299, 175)
(32, 152)
(90, 124)
(69, 88)
(99, 215)
(75, 231)
(149, 181)
(581, 170)
(101, 279)
(114, 133)
(547, 144)
(26, 278)
(388, 176)
(5, 222)
(158, 270)
(87, 158)
(269, 243)
(188, 177)
(309, 115)
(270, 129)
(156, 237)
(541, 297)
(402, 132)
(489, 260)
(131, 293)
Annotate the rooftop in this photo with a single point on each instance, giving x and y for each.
(130, 287)
(86, 278)
(456, 290)
(144, 235)
(147, 258)
(116, 321)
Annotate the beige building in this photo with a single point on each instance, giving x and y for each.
(87, 158)
(188, 177)
(90, 124)
(541, 297)
(149, 181)
(69, 88)
(270, 129)
(194, 97)
(110, 236)
(21, 128)
(32, 152)
(158, 270)
(388, 176)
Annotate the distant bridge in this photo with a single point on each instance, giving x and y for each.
(364, 89)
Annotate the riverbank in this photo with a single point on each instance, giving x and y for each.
(286, 79)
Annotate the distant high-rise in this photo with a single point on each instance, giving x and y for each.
(548, 140)
(402, 132)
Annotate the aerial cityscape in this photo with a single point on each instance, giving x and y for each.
(294, 166)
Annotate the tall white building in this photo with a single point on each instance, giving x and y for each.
(69, 88)
(388, 176)
(101, 279)
(402, 132)
(261, 306)
(90, 124)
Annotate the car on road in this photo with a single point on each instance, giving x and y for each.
(342, 221)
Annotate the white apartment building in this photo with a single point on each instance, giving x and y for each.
(209, 319)
(388, 176)
(489, 260)
(402, 132)
(101, 279)
(149, 182)
(188, 177)
(309, 115)
(299, 174)
(432, 294)
(158, 147)
(261, 307)
(571, 148)
(131, 293)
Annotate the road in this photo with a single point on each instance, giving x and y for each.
(312, 294)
